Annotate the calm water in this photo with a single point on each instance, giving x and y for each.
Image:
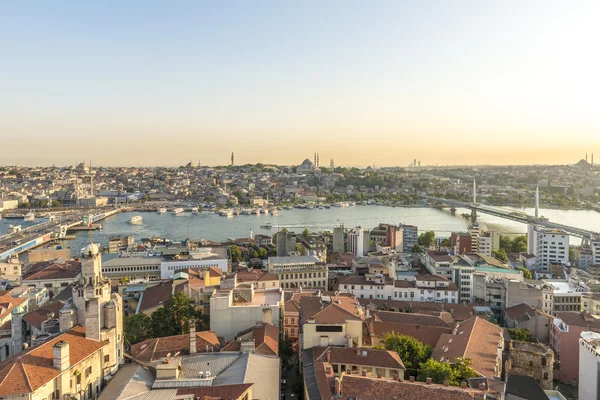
(207, 225)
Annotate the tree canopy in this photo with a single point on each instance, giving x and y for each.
(171, 319)
(456, 372)
(526, 273)
(426, 239)
(411, 351)
(520, 334)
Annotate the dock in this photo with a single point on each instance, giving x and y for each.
(79, 228)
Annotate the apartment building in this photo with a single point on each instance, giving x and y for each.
(358, 241)
(410, 236)
(414, 288)
(565, 333)
(331, 321)
(589, 366)
(299, 271)
(439, 263)
(550, 246)
(232, 311)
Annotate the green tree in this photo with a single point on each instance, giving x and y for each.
(519, 244)
(253, 253)
(263, 253)
(181, 308)
(236, 254)
(285, 351)
(124, 280)
(55, 203)
(137, 328)
(305, 233)
(500, 255)
(43, 203)
(520, 334)
(462, 370)
(437, 371)
(426, 239)
(162, 323)
(416, 249)
(526, 273)
(571, 254)
(411, 351)
(445, 242)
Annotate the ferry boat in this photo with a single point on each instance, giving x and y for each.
(136, 219)
(274, 212)
(264, 211)
(245, 211)
(177, 210)
(14, 228)
(256, 211)
(162, 210)
(29, 216)
(266, 226)
(195, 210)
(226, 213)
(14, 216)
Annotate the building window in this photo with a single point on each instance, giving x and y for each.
(106, 358)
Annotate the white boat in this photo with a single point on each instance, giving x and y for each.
(264, 211)
(274, 212)
(162, 210)
(29, 216)
(266, 226)
(195, 210)
(226, 213)
(136, 219)
(177, 210)
(14, 228)
(245, 211)
(256, 211)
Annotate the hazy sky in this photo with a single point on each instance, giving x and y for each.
(163, 83)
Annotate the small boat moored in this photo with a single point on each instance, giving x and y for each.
(136, 219)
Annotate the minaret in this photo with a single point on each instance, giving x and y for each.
(232, 159)
(317, 165)
(474, 191)
(537, 200)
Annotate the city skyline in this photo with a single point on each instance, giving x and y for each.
(150, 84)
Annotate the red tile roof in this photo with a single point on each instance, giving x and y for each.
(359, 356)
(222, 392)
(367, 388)
(36, 317)
(33, 368)
(154, 349)
(265, 336)
(157, 296)
(426, 328)
(476, 339)
(8, 304)
(52, 270)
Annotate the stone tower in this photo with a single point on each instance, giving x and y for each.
(94, 307)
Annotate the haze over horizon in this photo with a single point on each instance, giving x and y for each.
(156, 83)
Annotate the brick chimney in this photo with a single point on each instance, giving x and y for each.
(338, 386)
(328, 356)
(61, 356)
(192, 324)
(428, 381)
